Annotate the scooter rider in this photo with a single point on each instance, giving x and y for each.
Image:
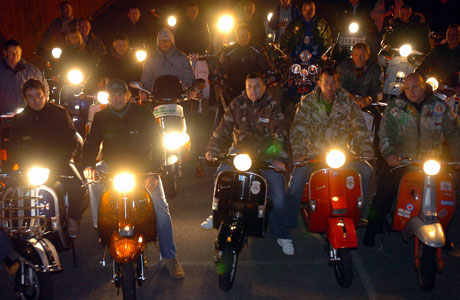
(361, 76)
(324, 118)
(307, 32)
(410, 28)
(255, 123)
(415, 124)
(167, 60)
(235, 63)
(130, 136)
(44, 134)
(444, 61)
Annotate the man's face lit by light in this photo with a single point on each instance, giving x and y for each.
(255, 88)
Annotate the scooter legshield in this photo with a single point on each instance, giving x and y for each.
(410, 196)
(341, 233)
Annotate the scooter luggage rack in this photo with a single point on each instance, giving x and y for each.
(27, 220)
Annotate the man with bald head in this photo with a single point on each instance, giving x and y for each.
(418, 125)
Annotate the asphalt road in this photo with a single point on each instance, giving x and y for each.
(264, 272)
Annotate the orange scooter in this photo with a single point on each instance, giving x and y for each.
(425, 207)
(331, 205)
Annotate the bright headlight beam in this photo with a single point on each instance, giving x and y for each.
(431, 167)
(103, 97)
(242, 162)
(75, 76)
(172, 21)
(38, 176)
(56, 52)
(335, 159)
(405, 50)
(433, 82)
(124, 182)
(174, 140)
(225, 23)
(353, 28)
(141, 55)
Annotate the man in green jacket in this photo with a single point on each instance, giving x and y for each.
(306, 32)
(416, 124)
(326, 118)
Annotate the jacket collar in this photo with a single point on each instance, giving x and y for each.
(19, 66)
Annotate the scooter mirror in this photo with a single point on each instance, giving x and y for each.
(137, 85)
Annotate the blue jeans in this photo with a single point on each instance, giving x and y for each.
(164, 224)
(277, 195)
(300, 176)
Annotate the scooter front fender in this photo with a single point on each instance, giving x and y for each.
(231, 237)
(39, 253)
(341, 233)
(430, 234)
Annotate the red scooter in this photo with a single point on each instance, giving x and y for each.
(331, 205)
(425, 207)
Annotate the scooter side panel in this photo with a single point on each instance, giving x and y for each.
(341, 233)
(445, 199)
(352, 190)
(319, 191)
(409, 199)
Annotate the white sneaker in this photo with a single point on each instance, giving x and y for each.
(207, 224)
(286, 245)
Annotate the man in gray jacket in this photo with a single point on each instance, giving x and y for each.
(14, 71)
(167, 60)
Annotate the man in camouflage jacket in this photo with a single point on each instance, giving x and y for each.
(306, 32)
(256, 123)
(418, 125)
(326, 118)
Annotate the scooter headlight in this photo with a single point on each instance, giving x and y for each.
(305, 55)
(56, 52)
(38, 176)
(431, 167)
(353, 28)
(335, 159)
(242, 162)
(269, 16)
(405, 50)
(103, 97)
(141, 55)
(433, 82)
(174, 140)
(172, 21)
(171, 159)
(295, 68)
(75, 76)
(124, 182)
(225, 23)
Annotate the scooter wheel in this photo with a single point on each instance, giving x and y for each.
(128, 283)
(344, 268)
(227, 270)
(37, 285)
(427, 267)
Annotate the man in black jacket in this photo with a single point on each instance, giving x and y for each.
(131, 138)
(43, 134)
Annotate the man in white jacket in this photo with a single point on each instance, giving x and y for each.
(167, 60)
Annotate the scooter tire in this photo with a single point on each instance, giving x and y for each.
(128, 282)
(169, 185)
(39, 287)
(227, 270)
(426, 272)
(343, 269)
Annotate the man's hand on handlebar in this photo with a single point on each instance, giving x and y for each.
(143, 95)
(209, 156)
(279, 166)
(90, 173)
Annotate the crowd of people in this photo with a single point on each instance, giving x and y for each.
(248, 116)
